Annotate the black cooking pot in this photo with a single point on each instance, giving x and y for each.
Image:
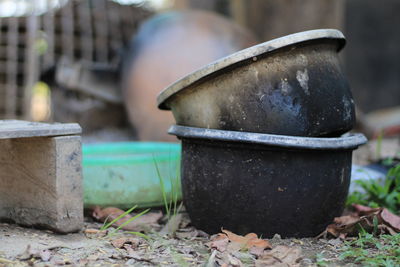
(267, 184)
(291, 85)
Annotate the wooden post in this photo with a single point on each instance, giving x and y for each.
(41, 176)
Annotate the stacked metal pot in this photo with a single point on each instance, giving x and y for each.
(262, 130)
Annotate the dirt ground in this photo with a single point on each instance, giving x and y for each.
(21, 246)
(31, 247)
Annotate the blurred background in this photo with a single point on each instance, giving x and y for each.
(93, 61)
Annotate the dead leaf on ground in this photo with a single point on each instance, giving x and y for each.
(120, 242)
(233, 242)
(363, 210)
(257, 251)
(347, 226)
(129, 248)
(95, 232)
(138, 224)
(228, 260)
(188, 233)
(247, 241)
(281, 256)
(388, 223)
(391, 219)
(219, 242)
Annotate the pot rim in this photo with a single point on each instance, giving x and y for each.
(246, 54)
(346, 141)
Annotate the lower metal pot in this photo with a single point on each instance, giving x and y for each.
(267, 184)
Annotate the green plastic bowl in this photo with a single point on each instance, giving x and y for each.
(125, 174)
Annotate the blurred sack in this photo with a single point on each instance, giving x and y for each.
(167, 47)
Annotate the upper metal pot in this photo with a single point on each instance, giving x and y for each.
(291, 85)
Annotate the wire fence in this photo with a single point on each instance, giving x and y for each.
(35, 39)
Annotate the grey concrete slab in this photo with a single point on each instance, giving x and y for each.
(22, 129)
(41, 175)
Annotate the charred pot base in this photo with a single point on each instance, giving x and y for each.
(267, 184)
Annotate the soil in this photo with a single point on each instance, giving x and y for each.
(21, 246)
(31, 247)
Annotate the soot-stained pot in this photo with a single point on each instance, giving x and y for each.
(291, 85)
(267, 184)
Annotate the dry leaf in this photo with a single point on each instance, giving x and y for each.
(130, 249)
(137, 224)
(227, 259)
(363, 210)
(391, 219)
(219, 242)
(192, 234)
(91, 231)
(97, 232)
(344, 226)
(281, 256)
(228, 242)
(109, 213)
(120, 242)
(347, 220)
(257, 251)
(247, 241)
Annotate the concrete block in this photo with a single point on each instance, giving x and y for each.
(41, 182)
(19, 129)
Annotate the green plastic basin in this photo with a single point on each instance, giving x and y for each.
(125, 174)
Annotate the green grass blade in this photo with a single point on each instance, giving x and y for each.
(162, 185)
(131, 219)
(171, 198)
(177, 187)
(179, 207)
(103, 227)
(139, 234)
(118, 218)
